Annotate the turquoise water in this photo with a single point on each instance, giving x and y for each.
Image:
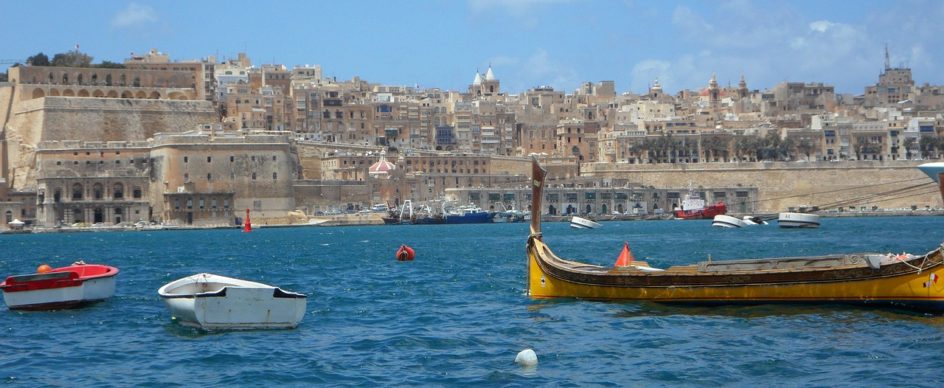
(458, 314)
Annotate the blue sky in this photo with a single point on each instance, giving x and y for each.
(561, 43)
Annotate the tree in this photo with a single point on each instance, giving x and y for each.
(909, 146)
(74, 58)
(39, 59)
(110, 65)
(3, 77)
(805, 146)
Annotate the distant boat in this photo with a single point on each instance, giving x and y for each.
(583, 223)
(725, 221)
(798, 220)
(753, 220)
(468, 214)
(899, 281)
(211, 302)
(693, 208)
(66, 287)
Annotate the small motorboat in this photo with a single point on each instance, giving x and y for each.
(753, 220)
(212, 302)
(58, 288)
(583, 223)
(798, 220)
(725, 221)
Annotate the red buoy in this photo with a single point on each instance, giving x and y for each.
(247, 227)
(405, 253)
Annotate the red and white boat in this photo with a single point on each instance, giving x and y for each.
(60, 288)
(693, 208)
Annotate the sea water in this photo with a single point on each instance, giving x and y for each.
(458, 314)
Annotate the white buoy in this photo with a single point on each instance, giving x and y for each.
(526, 357)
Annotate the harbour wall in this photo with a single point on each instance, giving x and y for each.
(782, 185)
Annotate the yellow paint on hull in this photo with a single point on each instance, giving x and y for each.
(905, 288)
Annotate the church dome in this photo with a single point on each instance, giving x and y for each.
(382, 167)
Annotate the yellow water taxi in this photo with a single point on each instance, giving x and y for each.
(908, 281)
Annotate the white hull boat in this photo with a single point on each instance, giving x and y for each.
(74, 286)
(583, 223)
(215, 302)
(724, 221)
(753, 220)
(798, 220)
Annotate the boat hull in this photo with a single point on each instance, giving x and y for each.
(724, 221)
(232, 304)
(88, 292)
(887, 286)
(707, 212)
(798, 220)
(469, 218)
(583, 223)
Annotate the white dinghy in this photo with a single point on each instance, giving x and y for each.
(211, 302)
(583, 223)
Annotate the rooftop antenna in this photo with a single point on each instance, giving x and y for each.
(888, 62)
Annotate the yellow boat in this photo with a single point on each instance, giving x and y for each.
(906, 281)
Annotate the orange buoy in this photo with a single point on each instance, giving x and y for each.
(625, 258)
(405, 253)
(43, 268)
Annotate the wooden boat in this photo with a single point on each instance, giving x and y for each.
(58, 288)
(867, 278)
(213, 302)
(583, 223)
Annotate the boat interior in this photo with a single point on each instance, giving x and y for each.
(198, 287)
(784, 264)
(87, 270)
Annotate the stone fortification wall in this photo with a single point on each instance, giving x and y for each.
(887, 185)
(93, 119)
(6, 100)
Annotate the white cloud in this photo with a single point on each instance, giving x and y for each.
(821, 25)
(134, 15)
(518, 7)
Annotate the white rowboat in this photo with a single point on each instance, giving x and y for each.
(212, 302)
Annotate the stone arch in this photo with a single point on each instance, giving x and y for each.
(68, 93)
(136, 82)
(107, 79)
(98, 191)
(83, 93)
(77, 215)
(126, 94)
(136, 192)
(112, 94)
(51, 78)
(123, 80)
(176, 96)
(79, 78)
(94, 79)
(140, 94)
(38, 93)
(98, 93)
(65, 78)
(77, 191)
(155, 96)
(53, 92)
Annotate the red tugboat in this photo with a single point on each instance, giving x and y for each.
(693, 208)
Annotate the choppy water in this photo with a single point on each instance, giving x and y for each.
(457, 315)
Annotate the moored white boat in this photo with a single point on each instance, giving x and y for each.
(66, 287)
(753, 220)
(211, 302)
(798, 220)
(725, 221)
(583, 223)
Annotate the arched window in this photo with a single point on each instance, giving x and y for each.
(136, 192)
(98, 191)
(77, 191)
(9, 216)
(108, 80)
(118, 191)
(65, 79)
(79, 79)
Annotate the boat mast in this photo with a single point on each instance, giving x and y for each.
(537, 186)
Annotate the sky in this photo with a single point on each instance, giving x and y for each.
(528, 43)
